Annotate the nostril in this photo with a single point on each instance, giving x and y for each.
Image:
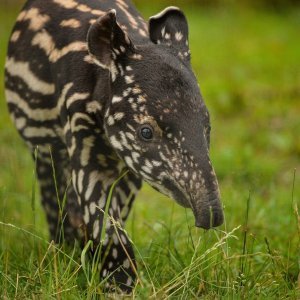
(209, 217)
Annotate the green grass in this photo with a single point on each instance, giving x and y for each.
(248, 66)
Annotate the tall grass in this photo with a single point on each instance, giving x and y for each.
(207, 266)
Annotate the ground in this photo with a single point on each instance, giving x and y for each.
(248, 66)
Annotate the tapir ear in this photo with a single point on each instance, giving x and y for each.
(107, 41)
(170, 27)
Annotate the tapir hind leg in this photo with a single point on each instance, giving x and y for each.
(57, 195)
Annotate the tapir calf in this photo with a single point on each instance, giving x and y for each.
(106, 98)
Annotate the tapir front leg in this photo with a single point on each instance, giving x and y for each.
(93, 175)
(117, 261)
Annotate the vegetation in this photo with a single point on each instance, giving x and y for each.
(248, 65)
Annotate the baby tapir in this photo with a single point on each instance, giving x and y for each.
(100, 91)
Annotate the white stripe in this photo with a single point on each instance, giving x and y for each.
(88, 144)
(75, 97)
(22, 70)
(45, 41)
(37, 114)
(31, 132)
(82, 116)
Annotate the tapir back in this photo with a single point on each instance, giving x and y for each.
(47, 54)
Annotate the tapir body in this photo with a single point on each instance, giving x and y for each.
(102, 98)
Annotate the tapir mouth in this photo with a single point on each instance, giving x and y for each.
(207, 209)
(209, 213)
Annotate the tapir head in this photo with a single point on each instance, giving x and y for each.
(155, 117)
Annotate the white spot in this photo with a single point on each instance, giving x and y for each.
(93, 107)
(135, 156)
(126, 263)
(146, 176)
(72, 23)
(96, 229)
(113, 71)
(126, 92)
(116, 51)
(130, 136)
(129, 162)
(125, 211)
(94, 177)
(115, 253)
(114, 204)
(122, 49)
(156, 163)
(116, 144)
(137, 56)
(116, 99)
(86, 216)
(141, 99)
(110, 121)
(102, 201)
(115, 239)
(92, 208)
(36, 20)
(177, 174)
(136, 90)
(123, 238)
(178, 36)
(74, 178)
(148, 163)
(15, 36)
(129, 79)
(167, 36)
(134, 106)
(104, 272)
(124, 140)
(118, 116)
(129, 281)
(146, 169)
(165, 159)
(80, 181)
(130, 127)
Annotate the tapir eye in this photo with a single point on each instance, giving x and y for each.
(146, 132)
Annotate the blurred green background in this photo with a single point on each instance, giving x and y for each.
(246, 55)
